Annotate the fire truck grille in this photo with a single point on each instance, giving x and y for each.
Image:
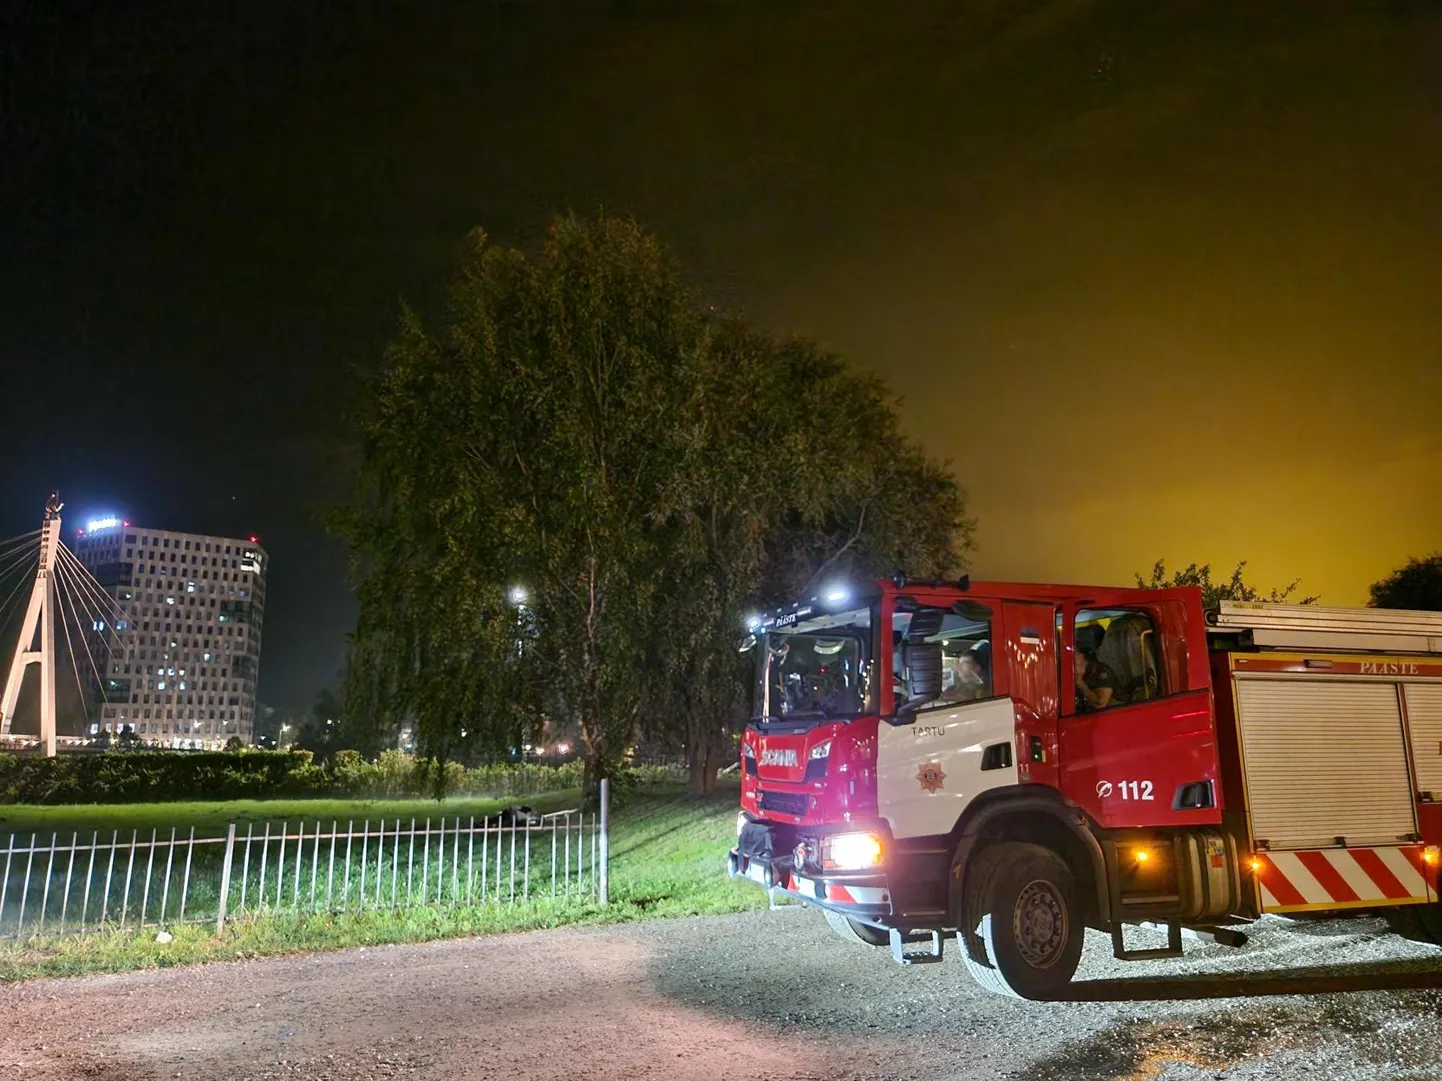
(787, 803)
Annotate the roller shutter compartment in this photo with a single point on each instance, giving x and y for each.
(1324, 760)
(1424, 718)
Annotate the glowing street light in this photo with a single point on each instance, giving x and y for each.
(518, 596)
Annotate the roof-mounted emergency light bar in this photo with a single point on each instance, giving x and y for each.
(901, 581)
(836, 596)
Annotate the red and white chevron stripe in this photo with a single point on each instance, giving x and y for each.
(834, 891)
(1341, 878)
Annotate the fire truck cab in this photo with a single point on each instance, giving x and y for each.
(1005, 765)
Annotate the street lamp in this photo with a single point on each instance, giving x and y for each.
(518, 596)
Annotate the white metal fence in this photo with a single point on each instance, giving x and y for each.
(60, 886)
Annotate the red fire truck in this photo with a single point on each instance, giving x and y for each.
(1011, 764)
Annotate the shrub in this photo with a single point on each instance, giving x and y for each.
(145, 776)
(353, 775)
(151, 776)
(522, 779)
(396, 774)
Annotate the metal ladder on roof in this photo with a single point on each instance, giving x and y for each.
(1307, 626)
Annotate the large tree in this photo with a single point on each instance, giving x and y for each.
(1417, 586)
(1233, 588)
(575, 485)
(793, 468)
(511, 462)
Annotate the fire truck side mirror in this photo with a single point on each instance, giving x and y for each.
(746, 643)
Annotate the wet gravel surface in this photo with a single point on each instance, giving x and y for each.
(761, 995)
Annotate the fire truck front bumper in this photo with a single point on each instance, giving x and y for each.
(862, 897)
(768, 856)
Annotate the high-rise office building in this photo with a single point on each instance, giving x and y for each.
(184, 650)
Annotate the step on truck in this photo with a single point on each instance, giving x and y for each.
(1004, 765)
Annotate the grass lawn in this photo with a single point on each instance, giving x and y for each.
(667, 859)
(210, 819)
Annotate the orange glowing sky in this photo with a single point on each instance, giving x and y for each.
(1158, 288)
(1162, 278)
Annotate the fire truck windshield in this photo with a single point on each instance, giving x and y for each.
(815, 670)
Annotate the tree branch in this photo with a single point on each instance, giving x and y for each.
(850, 543)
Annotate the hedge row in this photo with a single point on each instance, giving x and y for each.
(146, 776)
(158, 776)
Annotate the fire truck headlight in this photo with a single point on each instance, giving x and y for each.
(748, 751)
(850, 851)
(821, 750)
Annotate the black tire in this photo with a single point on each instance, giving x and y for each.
(1421, 923)
(1429, 918)
(1019, 925)
(860, 933)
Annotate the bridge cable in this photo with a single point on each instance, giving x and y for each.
(70, 648)
(89, 589)
(96, 590)
(20, 583)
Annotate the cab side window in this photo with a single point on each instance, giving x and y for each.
(966, 669)
(1117, 658)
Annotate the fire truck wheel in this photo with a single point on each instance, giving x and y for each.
(861, 933)
(1430, 919)
(1421, 923)
(1020, 928)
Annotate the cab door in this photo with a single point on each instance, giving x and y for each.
(1148, 757)
(1028, 644)
(930, 764)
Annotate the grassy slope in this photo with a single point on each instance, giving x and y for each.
(667, 859)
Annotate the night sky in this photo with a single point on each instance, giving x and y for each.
(1161, 279)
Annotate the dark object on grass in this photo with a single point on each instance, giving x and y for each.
(519, 816)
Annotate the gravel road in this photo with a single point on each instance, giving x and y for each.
(761, 995)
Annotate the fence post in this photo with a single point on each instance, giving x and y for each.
(225, 876)
(605, 841)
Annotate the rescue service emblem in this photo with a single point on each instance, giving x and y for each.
(930, 776)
